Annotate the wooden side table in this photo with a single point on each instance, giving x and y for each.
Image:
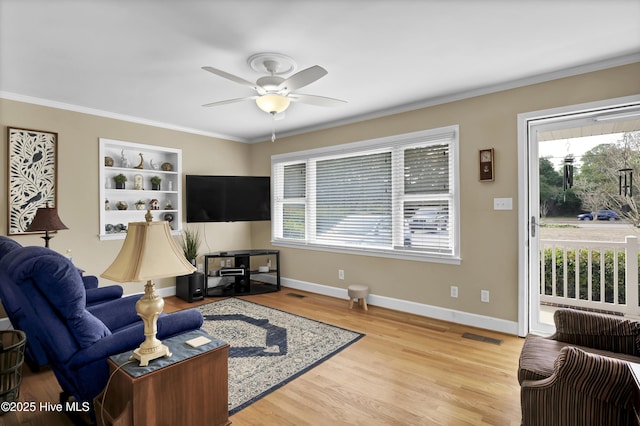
(190, 388)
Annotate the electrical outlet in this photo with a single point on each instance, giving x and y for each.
(454, 291)
(341, 274)
(484, 296)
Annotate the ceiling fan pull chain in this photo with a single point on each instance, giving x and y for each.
(273, 128)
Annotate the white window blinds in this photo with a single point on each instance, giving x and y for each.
(353, 200)
(390, 195)
(427, 198)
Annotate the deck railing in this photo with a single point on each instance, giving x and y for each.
(594, 275)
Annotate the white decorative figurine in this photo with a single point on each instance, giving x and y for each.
(123, 159)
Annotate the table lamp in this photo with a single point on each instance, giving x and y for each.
(149, 252)
(46, 219)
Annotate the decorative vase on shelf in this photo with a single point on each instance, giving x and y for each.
(138, 182)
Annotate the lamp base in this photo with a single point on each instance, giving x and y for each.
(144, 356)
(149, 307)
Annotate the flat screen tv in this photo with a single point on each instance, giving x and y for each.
(227, 198)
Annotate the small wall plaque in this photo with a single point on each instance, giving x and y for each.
(486, 165)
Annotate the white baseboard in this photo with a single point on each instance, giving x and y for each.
(451, 315)
(444, 314)
(166, 291)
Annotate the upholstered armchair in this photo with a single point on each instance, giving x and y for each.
(77, 342)
(580, 375)
(585, 389)
(97, 299)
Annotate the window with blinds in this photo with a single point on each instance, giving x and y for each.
(394, 195)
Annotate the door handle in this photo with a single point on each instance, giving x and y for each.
(533, 226)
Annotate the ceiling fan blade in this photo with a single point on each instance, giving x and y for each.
(232, 77)
(230, 101)
(316, 100)
(302, 78)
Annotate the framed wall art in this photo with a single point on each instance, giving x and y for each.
(486, 164)
(32, 157)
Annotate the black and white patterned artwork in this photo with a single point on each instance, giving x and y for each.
(32, 175)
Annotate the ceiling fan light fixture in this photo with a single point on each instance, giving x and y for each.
(273, 103)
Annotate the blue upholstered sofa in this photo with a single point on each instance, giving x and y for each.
(77, 341)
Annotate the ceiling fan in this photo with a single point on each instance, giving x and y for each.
(274, 92)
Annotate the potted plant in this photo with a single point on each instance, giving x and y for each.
(140, 205)
(190, 244)
(120, 180)
(155, 182)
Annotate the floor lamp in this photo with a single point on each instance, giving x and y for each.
(149, 252)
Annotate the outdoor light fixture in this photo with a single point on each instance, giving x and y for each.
(149, 252)
(46, 219)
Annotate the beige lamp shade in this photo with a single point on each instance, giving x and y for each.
(273, 103)
(148, 252)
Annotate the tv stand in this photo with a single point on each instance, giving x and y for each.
(241, 272)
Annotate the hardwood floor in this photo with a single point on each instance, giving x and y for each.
(408, 370)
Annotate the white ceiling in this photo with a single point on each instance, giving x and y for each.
(141, 59)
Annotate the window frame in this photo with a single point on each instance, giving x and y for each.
(396, 144)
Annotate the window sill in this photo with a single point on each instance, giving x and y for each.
(391, 254)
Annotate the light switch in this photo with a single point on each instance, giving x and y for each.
(503, 203)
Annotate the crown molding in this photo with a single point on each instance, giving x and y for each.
(116, 116)
(425, 103)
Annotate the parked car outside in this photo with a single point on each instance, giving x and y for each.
(600, 215)
(358, 229)
(429, 220)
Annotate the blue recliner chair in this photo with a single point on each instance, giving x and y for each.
(97, 298)
(95, 294)
(76, 341)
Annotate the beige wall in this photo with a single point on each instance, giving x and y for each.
(489, 239)
(78, 161)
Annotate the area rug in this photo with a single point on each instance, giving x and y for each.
(269, 347)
